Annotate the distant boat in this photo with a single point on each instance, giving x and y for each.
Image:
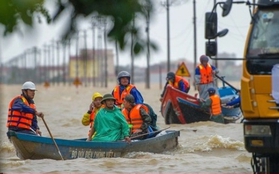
(228, 94)
(178, 107)
(37, 147)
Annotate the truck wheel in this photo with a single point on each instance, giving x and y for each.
(272, 164)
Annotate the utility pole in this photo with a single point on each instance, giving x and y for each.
(58, 62)
(132, 51)
(85, 58)
(49, 63)
(77, 61)
(35, 50)
(44, 63)
(167, 5)
(93, 52)
(53, 62)
(106, 53)
(69, 61)
(100, 53)
(117, 58)
(1, 64)
(195, 34)
(148, 44)
(216, 62)
(168, 35)
(64, 44)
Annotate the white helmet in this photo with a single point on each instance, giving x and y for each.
(29, 85)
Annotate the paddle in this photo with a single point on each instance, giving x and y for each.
(52, 138)
(226, 82)
(137, 136)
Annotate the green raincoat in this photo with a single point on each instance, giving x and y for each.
(110, 125)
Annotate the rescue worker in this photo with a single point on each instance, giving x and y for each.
(137, 116)
(109, 123)
(94, 107)
(123, 88)
(214, 105)
(204, 77)
(22, 113)
(177, 82)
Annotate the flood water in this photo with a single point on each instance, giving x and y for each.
(204, 147)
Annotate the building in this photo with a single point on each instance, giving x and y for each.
(91, 64)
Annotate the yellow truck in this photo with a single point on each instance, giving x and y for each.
(260, 79)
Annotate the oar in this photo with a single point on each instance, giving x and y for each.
(149, 133)
(226, 82)
(52, 138)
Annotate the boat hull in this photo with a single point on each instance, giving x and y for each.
(36, 147)
(178, 107)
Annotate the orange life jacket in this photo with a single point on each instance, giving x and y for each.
(206, 74)
(177, 80)
(93, 114)
(215, 105)
(133, 117)
(120, 97)
(20, 119)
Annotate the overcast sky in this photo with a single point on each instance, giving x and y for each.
(181, 33)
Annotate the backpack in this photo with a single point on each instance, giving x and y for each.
(153, 116)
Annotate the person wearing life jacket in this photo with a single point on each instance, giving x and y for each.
(214, 105)
(137, 116)
(177, 82)
(94, 107)
(109, 123)
(124, 87)
(22, 113)
(204, 77)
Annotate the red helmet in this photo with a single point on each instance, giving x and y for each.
(204, 58)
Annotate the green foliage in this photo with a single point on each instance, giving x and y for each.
(121, 12)
(13, 12)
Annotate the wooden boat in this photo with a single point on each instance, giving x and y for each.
(36, 147)
(178, 107)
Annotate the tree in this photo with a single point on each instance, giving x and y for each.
(14, 13)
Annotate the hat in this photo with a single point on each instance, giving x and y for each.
(204, 58)
(29, 85)
(170, 75)
(107, 97)
(130, 98)
(123, 74)
(96, 95)
(211, 90)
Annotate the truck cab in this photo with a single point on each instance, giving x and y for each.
(259, 82)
